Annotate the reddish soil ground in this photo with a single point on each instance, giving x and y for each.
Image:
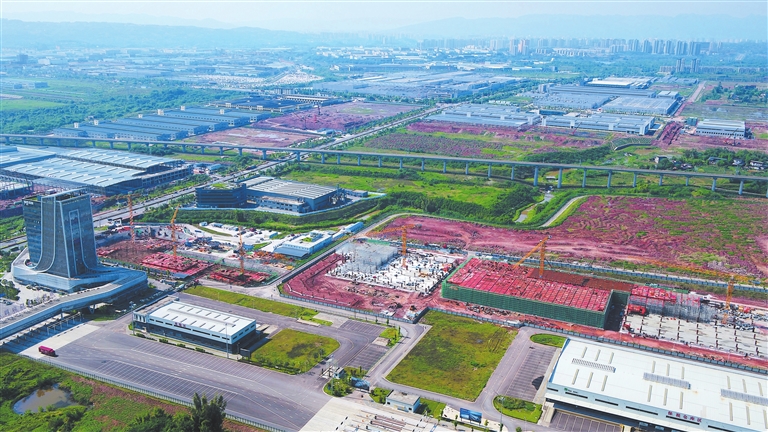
(608, 229)
(687, 141)
(127, 251)
(341, 117)
(315, 285)
(233, 276)
(176, 264)
(250, 136)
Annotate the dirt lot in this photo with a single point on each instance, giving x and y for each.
(341, 117)
(648, 230)
(250, 136)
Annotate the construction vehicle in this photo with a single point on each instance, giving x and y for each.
(541, 247)
(173, 229)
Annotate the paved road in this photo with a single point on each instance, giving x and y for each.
(505, 375)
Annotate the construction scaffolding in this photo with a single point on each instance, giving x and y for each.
(367, 257)
(666, 303)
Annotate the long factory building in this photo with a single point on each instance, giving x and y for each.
(721, 128)
(488, 114)
(271, 194)
(166, 125)
(196, 324)
(650, 391)
(101, 172)
(638, 125)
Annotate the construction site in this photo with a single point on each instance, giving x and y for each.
(184, 252)
(376, 263)
(364, 275)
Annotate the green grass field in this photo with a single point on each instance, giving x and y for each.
(456, 187)
(432, 408)
(25, 104)
(455, 358)
(98, 406)
(548, 339)
(261, 304)
(391, 333)
(517, 408)
(292, 349)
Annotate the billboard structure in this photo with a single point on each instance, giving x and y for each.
(470, 415)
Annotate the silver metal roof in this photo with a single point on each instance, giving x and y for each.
(77, 172)
(288, 188)
(132, 160)
(196, 317)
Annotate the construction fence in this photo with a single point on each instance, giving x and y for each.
(529, 306)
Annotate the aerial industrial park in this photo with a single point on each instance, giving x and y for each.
(382, 231)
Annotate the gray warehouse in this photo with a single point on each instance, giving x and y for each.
(487, 114)
(722, 128)
(642, 105)
(291, 196)
(637, 125)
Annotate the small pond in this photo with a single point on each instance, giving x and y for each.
(44, 397)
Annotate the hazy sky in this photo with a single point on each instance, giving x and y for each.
(344, 15)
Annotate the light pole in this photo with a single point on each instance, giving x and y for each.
(501, 413)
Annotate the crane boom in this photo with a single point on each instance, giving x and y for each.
(541, 247)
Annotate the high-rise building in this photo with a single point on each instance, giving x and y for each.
(694, 65)
(60, 233)
(61, 253)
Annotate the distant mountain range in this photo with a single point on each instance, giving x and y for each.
(27, 34)
(703, 27)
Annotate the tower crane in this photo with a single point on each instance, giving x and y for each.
(541, 247)
(728, 298)
(130, 218)
(173, 230)
(241, 252)
(404, 237)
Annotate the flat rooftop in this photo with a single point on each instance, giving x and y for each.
(507, 280)
(85, 173)
(288, 188)
(196, 317)
(124, 159)
(724, 124)
(672, 385)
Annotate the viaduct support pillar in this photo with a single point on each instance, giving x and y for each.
(183, 149)
(766, 193)
(24, 140)
(8, 140)
(610, 176)
(379, 161)
(338, 159)
(512, 176)
(422, 164)
(714, 183)
(401, 163)
(466, 169)
(263, 154)
(58, 142)
(584, 180)
(93, 144)
(359, 158)
(202, 149)
(535, 176)
(560, 179)
(489, 170)
(661, 179)
(221, 151)
(240, 151)
(322, 158)
(129, 146)
(445, 166)
(298, 156)
(634, 180)
(687, 181)
(741, 187)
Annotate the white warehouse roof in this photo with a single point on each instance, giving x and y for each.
(662, 390)
(199, 318)
(288, 188)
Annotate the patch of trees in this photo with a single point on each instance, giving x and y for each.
(204, 416)
(571, 157)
